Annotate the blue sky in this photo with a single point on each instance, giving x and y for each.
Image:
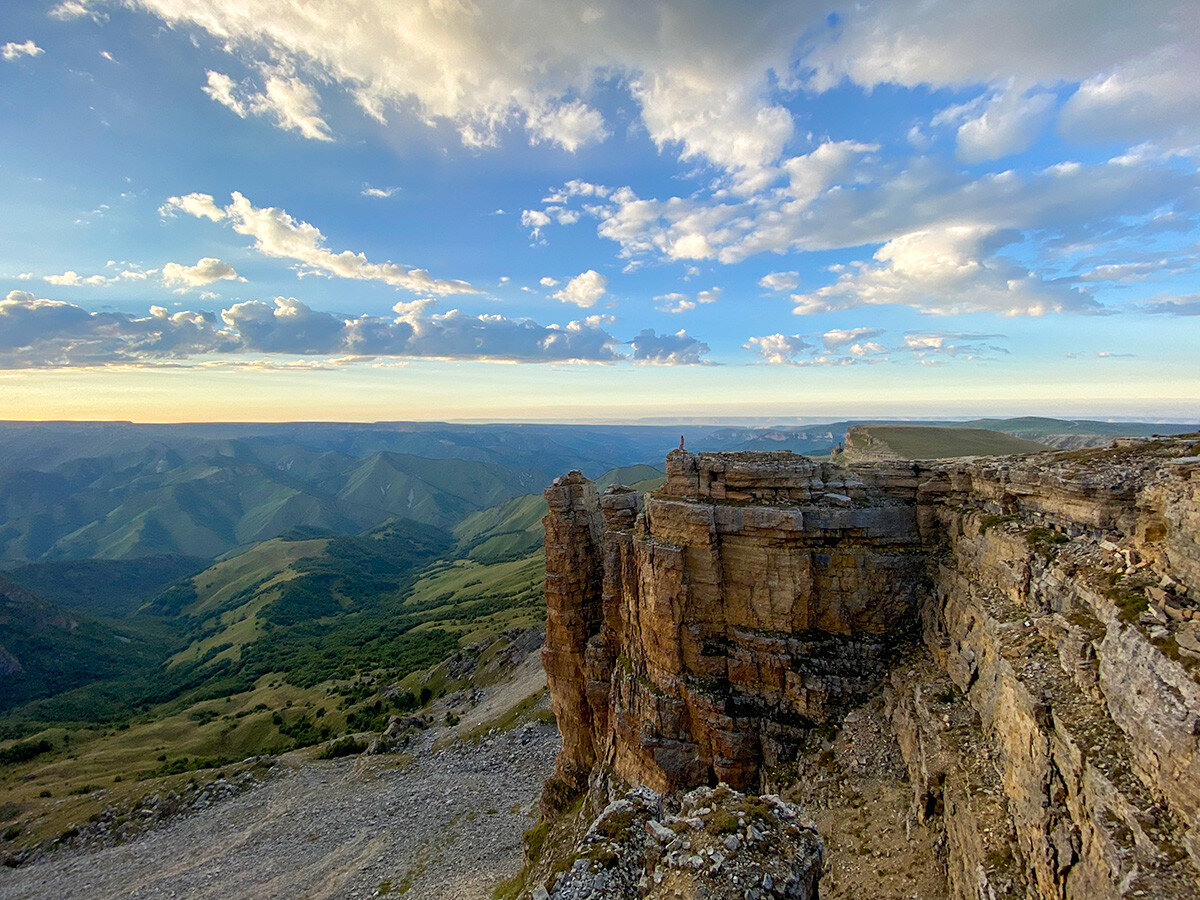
(364, 210)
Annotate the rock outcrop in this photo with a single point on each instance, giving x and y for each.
(698, 635)
(720, 845)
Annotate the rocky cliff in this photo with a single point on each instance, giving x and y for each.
(1029, 627)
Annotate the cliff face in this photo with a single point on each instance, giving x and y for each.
(699, 634)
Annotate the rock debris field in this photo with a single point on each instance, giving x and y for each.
(425, 824)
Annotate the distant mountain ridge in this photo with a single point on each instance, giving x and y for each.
(161, 503)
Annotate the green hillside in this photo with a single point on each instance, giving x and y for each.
(642, 478)
(506, 531)
(933, 442)
(104, 587)
(127, 507)
(46, 651)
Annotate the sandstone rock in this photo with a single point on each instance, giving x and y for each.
(699, 635)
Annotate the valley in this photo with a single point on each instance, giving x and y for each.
(239, 622)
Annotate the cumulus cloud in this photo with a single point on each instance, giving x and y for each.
(1006, 122)
(570, 125)
(488, 67)
(277, 234)
(13, 50)
(205, 271)
(491, 66)
(1152, 98)
(547, 281)
(780, 281)
(944, 272)
(40, 333)
(535, 220)
(198, 205)
(71, 278)
(676, 302)
(285, 98)
(851, 346)
(778, 349)
(678, 349)
(584, 289)
(883, 201)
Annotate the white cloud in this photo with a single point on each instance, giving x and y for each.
(547, 281)
(705, 75)
(488, 67)
(1174, 305)
(13, 50)
(198, 205)
(678, 349)
(676, 302)
(379, 193)
(838, 338)
(1006, 122)
(225, 91)
(780, 281)
(948, 271)
(1137, 64)
(287, 99)
(779, 349)
(1152, 98)
(205, 271)
(570, 125)
(888, 202)
(535, 220)
(829, 164)
(584, 289)
(924, 345)
(294, 106)
(277, 234)
(40, 333)
(71, 278)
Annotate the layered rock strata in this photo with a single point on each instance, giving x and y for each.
(696, 635)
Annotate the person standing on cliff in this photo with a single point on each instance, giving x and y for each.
(681, 442)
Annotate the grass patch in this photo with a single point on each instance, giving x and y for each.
(346, 746)
(1045, 541)
(995, 521)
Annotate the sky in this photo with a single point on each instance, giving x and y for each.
(545, 209)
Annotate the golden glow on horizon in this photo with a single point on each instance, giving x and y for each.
(443, 390)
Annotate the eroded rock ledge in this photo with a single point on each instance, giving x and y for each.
(1031, 623)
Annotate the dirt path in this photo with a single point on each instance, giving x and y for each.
(441, 826)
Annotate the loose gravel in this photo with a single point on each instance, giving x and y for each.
(422, 824)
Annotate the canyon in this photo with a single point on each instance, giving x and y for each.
(1026, 630)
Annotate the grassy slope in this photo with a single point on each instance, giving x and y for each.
(507, 531)
(935, 442)
(471, 603)
(1034, 427)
